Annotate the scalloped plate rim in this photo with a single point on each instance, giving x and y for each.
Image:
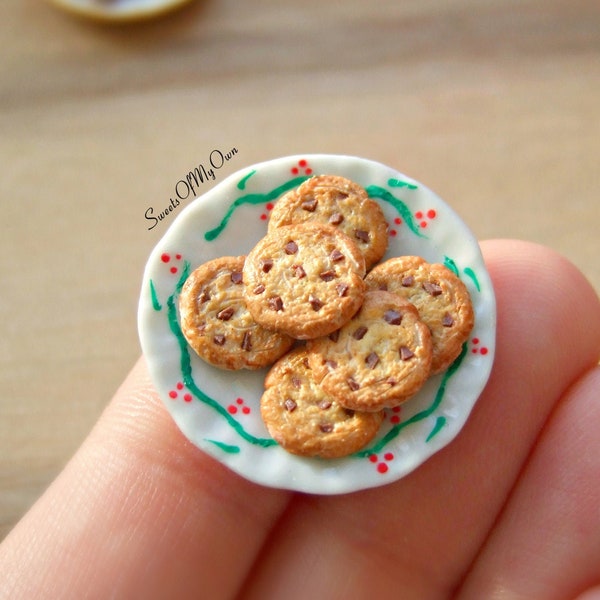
(321, 476)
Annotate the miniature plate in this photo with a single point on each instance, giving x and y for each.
(120, 10)
(219, 410)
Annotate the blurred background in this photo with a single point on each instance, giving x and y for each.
(495, 105)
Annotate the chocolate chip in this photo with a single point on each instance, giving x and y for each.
(331, 364)
(276, 303)
(204, 297)
(310, 205)
(393, 317)
(372, 360)
(236, 277)
(226, 313)
(353, 385)
(291, 247)
(447, 320)
(315, 302)
(259, 289)
(359, 334)
(383, 287)
(362, 235)
(406, 353)
(336, 255)
(219, 339)
(334, 336)
(289, 405)
(326, 427)
(296, 382)
(266, 265)
(336, 218)
(324, 404)
(407, 281)
(327, 275)
(247, 342)
(299, 271)
(349, 412)
(432, 288)
(201, 328)
(341, 195)
(342, 289)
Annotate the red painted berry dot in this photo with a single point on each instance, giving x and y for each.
(398, 221)
(173, 394)
(246, 410)
(474, 351)
(302, 163)
(232, 409)
(388, 456)
(240, 401)
(396, 409)
(476, 340)
(382, 468)
(484, 351)
(373, 458)
(308, 171)
(173, 269)
(294, 170)
(395, 419)
(419, 214)
(269, 206)
(187, 397)
(393, 232)
(263, 217)
(165, 258)
(423, 224)
(431, 213)
(179, 386)
(178, 256)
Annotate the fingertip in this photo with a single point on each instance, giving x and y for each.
(547, 309)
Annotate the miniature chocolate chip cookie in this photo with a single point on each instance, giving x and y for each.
(217, 324)
(339, 202)
(304, 419)
(305, 280)
(441, 298)
(378, 359)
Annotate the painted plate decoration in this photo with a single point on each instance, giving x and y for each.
(219, 410)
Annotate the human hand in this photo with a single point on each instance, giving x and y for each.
(510, 509)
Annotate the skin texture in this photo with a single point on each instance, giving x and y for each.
(508, 510)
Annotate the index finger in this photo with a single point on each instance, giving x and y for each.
(139, 512)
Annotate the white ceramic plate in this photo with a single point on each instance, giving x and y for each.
(120, 10)
(219, 410)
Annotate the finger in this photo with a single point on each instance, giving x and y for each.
(591, 594)
(546, 544)
(421, 534)
(139, 513)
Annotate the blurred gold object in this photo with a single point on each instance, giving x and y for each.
(120, 10)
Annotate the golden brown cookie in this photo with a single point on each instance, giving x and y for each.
(339, 202)
(305, 280)
(441, 298)
(304, 419)
(217, 324)
(378, 359)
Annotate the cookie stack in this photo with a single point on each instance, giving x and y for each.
(347, 336)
